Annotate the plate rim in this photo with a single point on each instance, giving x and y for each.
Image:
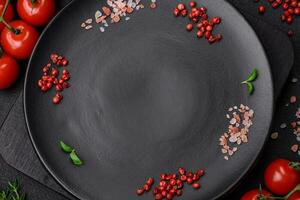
(225, 191)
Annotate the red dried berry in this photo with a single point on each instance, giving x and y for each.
(158, 197)
(181, 171)
(261, 9)
(200, 172)
(172, 191)
(184, 13)
(155, 190)
(176, 12)
(54, 72)
(193, 4)
(181, 6)
(173, 182)
(65, 62)
(44, 88)
(290, 33)
(59, 88)
(196, 186)
(183, 178)
(189, 180)
(146, 188)
(162, 183)
(140, 191)
(189, 27)
(40, 83)
(57, 98)
(164, 193)
(179, 192)
(150, 181)
(169, 196)
(216, 20)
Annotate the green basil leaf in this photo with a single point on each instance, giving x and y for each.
(75, 159)
(252, 77)
(250, 88)
(66, 148)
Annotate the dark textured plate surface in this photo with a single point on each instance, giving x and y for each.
(146, 97)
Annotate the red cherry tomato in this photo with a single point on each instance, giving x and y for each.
(19, 45)
(295, 196)
(9, 14)
(281, 178)
(9, 71)
(255, 194)
(36, 12)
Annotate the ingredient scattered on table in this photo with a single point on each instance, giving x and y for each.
(290, 9)
(249, 82)
(51, 79)
(240, 121)
(72, 153)
(198, 17)
(113, 13)
(172, 185)
(281, 177)
(12, 192)
(274, 135)
(293, 125)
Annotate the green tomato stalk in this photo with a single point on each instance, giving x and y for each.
(12, 29)
(262, 197)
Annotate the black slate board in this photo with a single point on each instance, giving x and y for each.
(16, 137)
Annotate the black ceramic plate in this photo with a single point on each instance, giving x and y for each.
(147, 97)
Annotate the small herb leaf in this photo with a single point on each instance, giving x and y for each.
(66, 148)
(75, 159)
(295, 165)
(252, 77)
(13, 192)
(250, 87)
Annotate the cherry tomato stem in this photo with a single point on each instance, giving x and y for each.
(296, 189)
(3, 20)
(5, 8)
(295, 165)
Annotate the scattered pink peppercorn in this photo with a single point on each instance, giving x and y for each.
(176, 12)
(289, 8)
(290, 33)
(184, 13)
(50, 77)
(181, 6)
(171, 185)
(193, 4)
(189, 27)
(200, 18)
(261, 9)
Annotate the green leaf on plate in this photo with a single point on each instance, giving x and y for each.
(75, 159)
(252, 77)
(250, 87)
(66, 148)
